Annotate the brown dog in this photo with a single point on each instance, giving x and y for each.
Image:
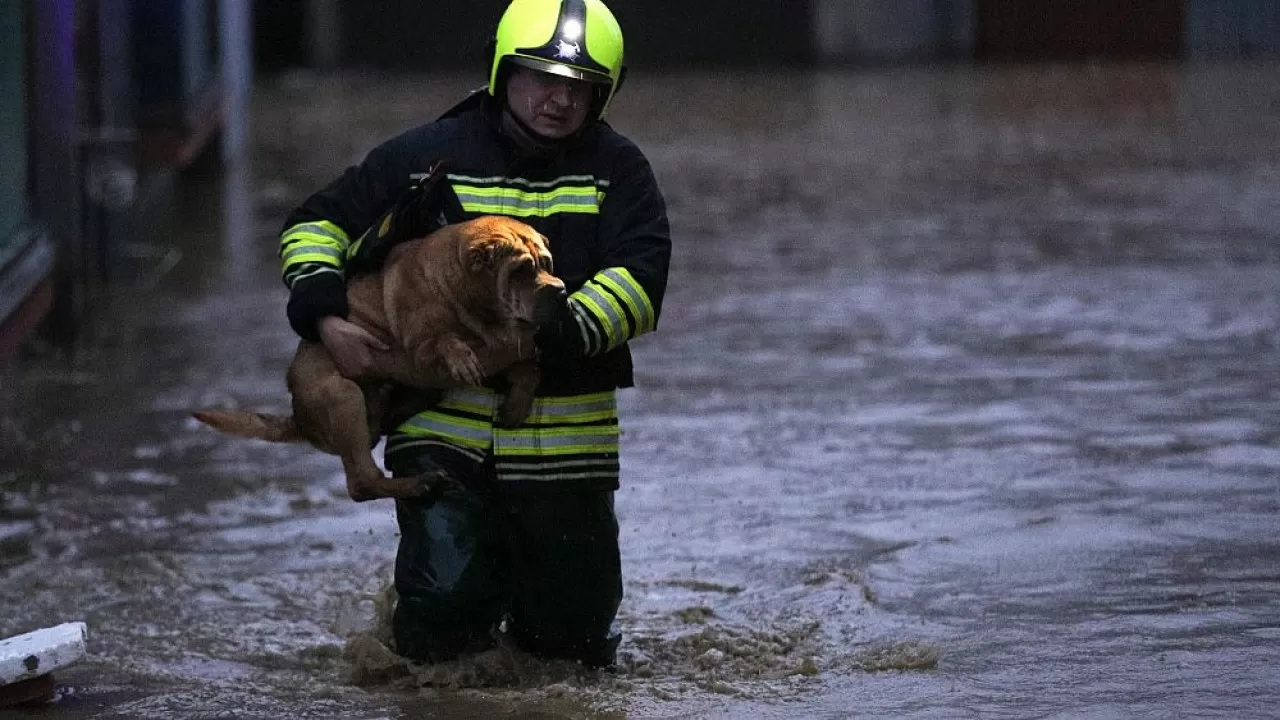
(456, 307)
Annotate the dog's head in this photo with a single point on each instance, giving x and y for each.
(516, 260)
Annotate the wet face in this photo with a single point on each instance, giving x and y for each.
(552, 106)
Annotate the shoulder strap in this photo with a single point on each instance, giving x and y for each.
(418, 212)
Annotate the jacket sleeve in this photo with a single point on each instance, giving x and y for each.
(318, 235)
(623, 299)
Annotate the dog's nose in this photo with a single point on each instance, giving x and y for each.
(548, 301)
(550, 293)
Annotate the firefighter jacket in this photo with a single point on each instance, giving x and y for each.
(597, 202)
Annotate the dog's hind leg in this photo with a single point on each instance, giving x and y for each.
(331, 410)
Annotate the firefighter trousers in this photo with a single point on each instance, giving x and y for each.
(471, 556)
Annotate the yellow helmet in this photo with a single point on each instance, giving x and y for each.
(573, 38)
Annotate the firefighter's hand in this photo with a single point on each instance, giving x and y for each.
(559, 338)
(351, 346)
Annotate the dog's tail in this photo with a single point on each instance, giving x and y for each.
(259, 426)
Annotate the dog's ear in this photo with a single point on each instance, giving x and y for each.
(543, 253)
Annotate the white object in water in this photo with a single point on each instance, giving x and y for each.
(40, 652)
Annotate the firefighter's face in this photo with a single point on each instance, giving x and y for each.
(554, 107)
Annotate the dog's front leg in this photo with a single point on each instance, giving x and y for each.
(436, 363)
(523, 378)
(419, 367)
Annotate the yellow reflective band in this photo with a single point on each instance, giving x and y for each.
(312, 242)
(518, 202)
(577, 409)
(567, 193)
(541, 417)
(549, 431)
(322, 232)
(605, 311)
(463, 431)
(624, 285)
(625, 298)
(611, 324)
(522, 182)
(310, 253)
(477, 401)
(556, 441)
(306, 239)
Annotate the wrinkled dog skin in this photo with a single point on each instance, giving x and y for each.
(456, 307)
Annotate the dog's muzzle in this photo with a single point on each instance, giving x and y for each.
(547, 302)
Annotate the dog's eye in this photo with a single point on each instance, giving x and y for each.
(524, 269)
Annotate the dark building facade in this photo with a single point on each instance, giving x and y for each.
(102, 103)
(1050, 29)
(410, 34)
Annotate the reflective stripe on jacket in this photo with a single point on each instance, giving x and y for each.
(571, 440)
(312, 247)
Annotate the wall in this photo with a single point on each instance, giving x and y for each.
(883, 31)
(13, 125)
(411, 34)
(1081, 29)
(1217, 28)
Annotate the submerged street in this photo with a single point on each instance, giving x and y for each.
(965, 402)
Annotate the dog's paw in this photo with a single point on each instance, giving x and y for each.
(514, 410)
(464, 366)
(433, 484)
(402, 488)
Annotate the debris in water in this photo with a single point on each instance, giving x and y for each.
(27, 661)
(724, 658)
(695, 615)
(908, 655)
(711, 658)
(808, 667)
(703, 586)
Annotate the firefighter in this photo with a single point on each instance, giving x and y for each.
(523, 536)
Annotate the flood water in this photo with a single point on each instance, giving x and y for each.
(965, 403)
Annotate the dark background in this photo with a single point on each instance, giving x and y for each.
(407, 34)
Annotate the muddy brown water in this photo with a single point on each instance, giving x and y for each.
(965, 402)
